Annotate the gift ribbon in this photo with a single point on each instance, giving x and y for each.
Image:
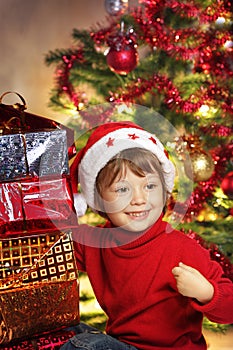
(16, 105)
(34, 123)
(9, 126)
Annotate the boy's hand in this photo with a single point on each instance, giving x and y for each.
(191, 283)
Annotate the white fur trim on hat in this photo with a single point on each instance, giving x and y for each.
(80, 204)
(99, 154)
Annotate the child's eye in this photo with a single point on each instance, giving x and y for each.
(122, 189)
(151, 186)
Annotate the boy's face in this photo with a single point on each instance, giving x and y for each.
(134, 203)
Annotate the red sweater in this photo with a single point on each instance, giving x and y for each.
(134, 285)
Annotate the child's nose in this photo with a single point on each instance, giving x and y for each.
(138, 196)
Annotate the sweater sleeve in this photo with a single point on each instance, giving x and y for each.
(220, 308)
(79, 248)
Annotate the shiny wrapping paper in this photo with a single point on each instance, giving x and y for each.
(37, 258)
(38, 308)
(32, 145)
(36, 204)
(50, 341)
(35, 191)
(33, 154)
(39, 289)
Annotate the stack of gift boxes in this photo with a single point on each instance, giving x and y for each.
(39, 293)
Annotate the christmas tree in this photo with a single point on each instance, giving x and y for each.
(175, 58)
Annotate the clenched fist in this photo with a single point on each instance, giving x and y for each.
(191, 283)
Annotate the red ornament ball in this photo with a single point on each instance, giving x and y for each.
(227, 185)
(122, 61)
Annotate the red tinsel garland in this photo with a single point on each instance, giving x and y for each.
(63, 73)
(173, 98)
(189, 9)
(174, 42)
(203, 47)
(218, 130)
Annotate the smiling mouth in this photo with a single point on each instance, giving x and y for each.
(138, 214)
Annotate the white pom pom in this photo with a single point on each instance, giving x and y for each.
(80, 204)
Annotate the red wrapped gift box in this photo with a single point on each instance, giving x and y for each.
(50, 341)
(35, 204)
(11, 213)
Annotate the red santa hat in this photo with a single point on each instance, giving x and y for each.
(104, 143)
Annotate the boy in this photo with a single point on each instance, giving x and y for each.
(154, 283)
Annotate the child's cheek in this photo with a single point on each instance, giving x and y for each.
(119, 203)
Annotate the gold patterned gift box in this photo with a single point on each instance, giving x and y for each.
(38, 285)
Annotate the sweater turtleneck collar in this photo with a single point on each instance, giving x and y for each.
(125, 240)
(109, 236)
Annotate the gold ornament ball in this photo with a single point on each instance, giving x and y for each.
(200, 167)
(207, 214)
